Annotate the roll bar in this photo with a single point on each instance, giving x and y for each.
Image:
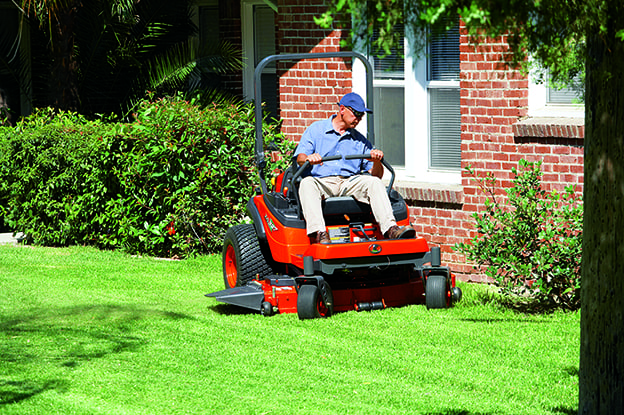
(259, 146)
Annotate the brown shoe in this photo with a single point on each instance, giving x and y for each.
(322, 238)
(403, 232)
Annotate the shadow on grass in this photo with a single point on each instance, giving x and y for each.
(40, 345)
(16, 391)
(565, 410)
(490, 297)
(231, 310)
(572, 371)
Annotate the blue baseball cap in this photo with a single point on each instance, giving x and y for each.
(354, 101)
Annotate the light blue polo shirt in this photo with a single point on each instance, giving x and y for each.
(320, 137)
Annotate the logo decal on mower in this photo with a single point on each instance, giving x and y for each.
(374, 248)
(270, 223)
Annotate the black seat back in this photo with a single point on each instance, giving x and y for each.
(345, 209)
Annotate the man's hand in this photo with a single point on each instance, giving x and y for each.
(376, 155)
(312, 158)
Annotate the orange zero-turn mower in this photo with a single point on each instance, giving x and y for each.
(273, 266)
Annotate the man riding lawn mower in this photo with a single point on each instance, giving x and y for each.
(329, 236)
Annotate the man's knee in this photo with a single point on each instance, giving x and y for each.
(307, 184)
(374, 183)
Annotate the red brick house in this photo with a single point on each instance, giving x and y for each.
(436, 115)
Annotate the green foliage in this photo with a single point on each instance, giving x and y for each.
(99, 57)
(181, 191)
(49, 166)
(531, 243)
(550, 31)
(168, 184)
(378, 15)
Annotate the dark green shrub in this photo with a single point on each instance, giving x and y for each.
(168, 184)
(530, 243)
(186, 175)
(51, 172)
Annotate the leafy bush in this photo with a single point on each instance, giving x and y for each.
(531, 243)
(186, 175)
(50, 170)
(168, 184)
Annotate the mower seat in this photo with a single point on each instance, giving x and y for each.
(344, 205)
(344, 209)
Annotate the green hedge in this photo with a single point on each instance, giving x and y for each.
(168, 184)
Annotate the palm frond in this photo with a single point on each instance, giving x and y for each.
(170, 69)
(222, 58)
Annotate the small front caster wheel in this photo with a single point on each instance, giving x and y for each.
(266, 309)
(456, 293)
(315, 302)
(435, 292)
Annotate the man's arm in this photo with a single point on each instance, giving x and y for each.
(378, 169)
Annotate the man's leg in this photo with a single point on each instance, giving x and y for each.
(312, 191)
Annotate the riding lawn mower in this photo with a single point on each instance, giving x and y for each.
(273, 266)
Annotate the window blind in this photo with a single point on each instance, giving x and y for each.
(444, 54)
(569, 95)
(445, 128)
(391, 65)
(444, 109)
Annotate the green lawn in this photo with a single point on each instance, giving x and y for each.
(90, 332)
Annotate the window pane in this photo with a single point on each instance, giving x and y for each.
(444, 55)
(389, 106)
(264, 28)
(572, 94)
(264, 33)
(10, 94)
(391, 65)
(563, 96)
(209, 25)
(445, 122)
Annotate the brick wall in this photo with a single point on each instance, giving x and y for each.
(496, 134)
(493, 97)
(309, 89)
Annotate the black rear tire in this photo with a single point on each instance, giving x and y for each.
(243, 257)
(436, 292)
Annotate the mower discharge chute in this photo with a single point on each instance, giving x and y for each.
(273, 266)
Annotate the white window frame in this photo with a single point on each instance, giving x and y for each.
(248, 38)
(417, 126)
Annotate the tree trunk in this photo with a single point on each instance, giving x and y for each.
(63, 91)
(601, 378)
